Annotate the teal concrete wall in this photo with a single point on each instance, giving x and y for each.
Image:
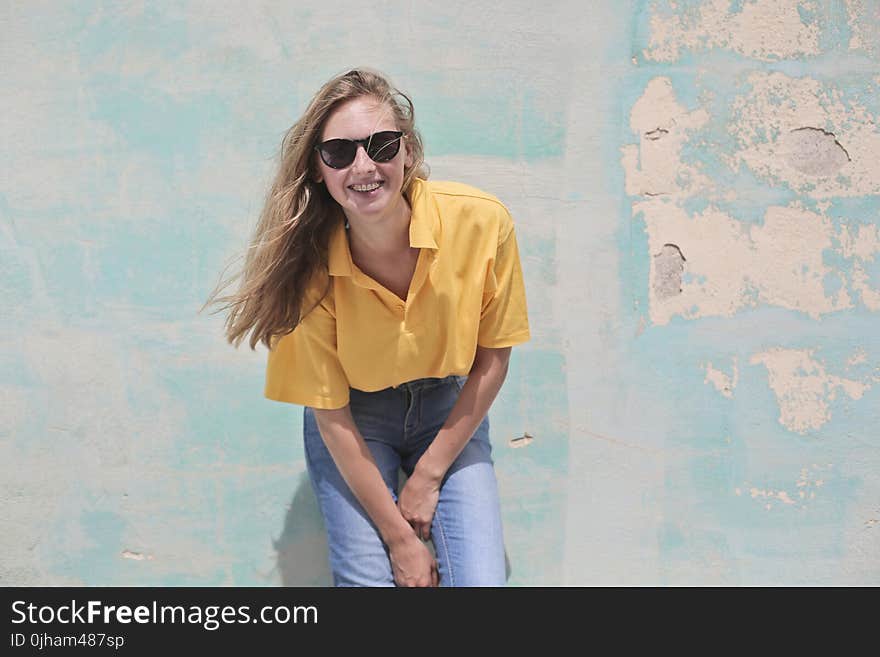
(696, 191)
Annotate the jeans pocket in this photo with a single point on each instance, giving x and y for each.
(459, 381)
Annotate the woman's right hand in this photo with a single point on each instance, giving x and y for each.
(412, 564)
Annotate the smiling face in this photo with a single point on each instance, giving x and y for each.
(354, 187)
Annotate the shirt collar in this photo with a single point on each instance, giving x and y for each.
(424, 230)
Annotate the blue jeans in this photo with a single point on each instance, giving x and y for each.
(398, 424)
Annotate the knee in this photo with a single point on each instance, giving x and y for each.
(481, 571)
(362, 571)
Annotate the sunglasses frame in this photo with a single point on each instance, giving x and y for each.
(365, 142)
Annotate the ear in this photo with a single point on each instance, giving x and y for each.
(409, 158)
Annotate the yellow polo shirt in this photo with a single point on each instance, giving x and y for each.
(467, 290)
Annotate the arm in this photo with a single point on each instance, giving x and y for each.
(411, 562)
(418, 499)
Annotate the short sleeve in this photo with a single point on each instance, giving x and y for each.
(303, 366)
(504, 319)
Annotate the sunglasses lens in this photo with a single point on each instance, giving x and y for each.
(338, 153)
(381, 147)
(384, 146)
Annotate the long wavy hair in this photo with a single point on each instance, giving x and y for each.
(288, 251)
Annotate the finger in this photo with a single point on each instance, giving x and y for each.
(435, 575)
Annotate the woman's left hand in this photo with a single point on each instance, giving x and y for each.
(418, 501)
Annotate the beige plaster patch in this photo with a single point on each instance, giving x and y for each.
(712, 264)
(861, 356)
(767, 30)
(862, 24)
(723, 383)
(804, 491)
(869, 295)
(803, 387)
(863, 245)
(801, 132)
(731, 264)
(654, 166)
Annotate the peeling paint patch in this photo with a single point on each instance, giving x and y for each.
(653, 166)
(769, 126)
(733, 264)
(803, 387)
(770, 494)
(668, 267)
(723, 383)
(857, 358)
(864, 244)
(869, 296)
(863, 26)
(862, 247)
(136, 556)
(814, 151)
(801, 496)
(520, 441)
(767, 30)
(656, 133)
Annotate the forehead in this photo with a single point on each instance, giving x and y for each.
(358, 118)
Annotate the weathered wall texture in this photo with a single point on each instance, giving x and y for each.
(696, 187)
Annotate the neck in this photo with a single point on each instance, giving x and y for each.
(385, 236)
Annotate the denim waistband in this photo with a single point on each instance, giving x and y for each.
(420, 384)
(428, 382)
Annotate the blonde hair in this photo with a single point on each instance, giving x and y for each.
(289, 245)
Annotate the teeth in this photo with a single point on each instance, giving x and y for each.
(366, 188)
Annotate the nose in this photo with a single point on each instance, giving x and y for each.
(362, 161)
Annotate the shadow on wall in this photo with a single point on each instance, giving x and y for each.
(302, 547)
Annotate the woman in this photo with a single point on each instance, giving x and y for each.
(389, 305)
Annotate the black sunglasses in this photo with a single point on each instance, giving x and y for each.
(380, 147)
